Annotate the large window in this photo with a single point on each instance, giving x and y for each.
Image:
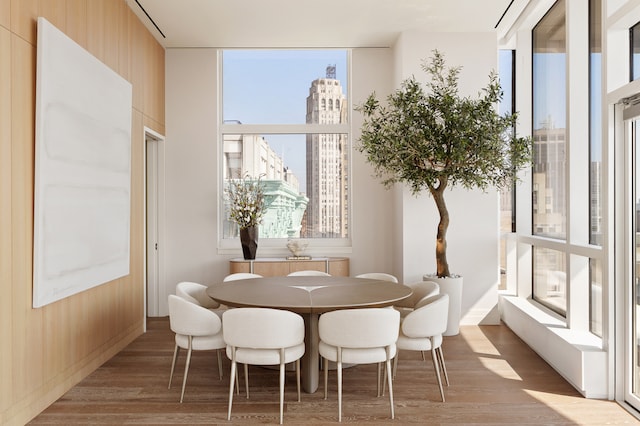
(285, 118)
(549, 124)
(595, 162)
(549, 154)
(507, 196)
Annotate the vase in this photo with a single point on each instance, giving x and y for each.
(453, 287)
(249, 242)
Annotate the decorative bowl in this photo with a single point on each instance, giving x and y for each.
(297, 247)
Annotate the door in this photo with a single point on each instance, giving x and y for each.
(153, 145)
(631, 293)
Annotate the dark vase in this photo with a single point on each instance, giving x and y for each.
(249, 242)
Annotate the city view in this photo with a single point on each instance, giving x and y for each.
(305, 174)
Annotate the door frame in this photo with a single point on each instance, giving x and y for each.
(153, 291)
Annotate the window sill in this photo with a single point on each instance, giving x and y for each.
(576, 355)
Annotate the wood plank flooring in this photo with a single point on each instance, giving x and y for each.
(495, 380)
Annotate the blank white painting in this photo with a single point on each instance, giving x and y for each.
(82, 171)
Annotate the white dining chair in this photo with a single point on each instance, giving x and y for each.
(422, 329)
(240, 276)
(196, 328)
(197, 293)
(263, 336)
(309, 273)
(358, 336)
(421, 290)
(378, 276)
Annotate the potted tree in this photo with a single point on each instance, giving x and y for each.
(430, 137)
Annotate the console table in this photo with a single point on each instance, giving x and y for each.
(280, 266)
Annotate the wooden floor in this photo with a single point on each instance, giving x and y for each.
(495, 379)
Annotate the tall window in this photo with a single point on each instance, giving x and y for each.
(507, 196)
(549, 150)
(595, 122)
(285, 118)
(595, 161)
(634, 36)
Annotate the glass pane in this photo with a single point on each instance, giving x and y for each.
(635, 293)
(635, 51)
(507, 202)
(550, 279)
(549, 123)
(595, 300)
(274, 86)
(306, 182)
(595, 122)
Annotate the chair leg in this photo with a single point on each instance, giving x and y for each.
(389, 379)
(186, 370)
(378, 382)
(442, 365)
(326, 376)
(437, 369)
(246, 379)
(339, 371)
(298, 377)
(395, 364)
(281, 388)
(219, 363)
(237, 382)
(233, 377)
(173, 363)
(384, 380)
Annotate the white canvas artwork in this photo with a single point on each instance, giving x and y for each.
(82, 170)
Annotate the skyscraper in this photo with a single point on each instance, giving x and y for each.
(327, 161)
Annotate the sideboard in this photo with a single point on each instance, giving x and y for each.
(280, 266)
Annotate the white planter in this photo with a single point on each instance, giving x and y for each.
(453, 287)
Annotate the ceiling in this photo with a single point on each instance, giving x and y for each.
(303, 23)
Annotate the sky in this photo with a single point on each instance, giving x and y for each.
(271, 87)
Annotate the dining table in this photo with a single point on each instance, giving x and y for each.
(309, 296)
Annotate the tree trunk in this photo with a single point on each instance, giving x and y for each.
(442, 266)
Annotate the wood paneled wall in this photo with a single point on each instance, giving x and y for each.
(44, 352)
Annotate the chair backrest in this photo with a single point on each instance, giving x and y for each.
(195, 293)
(309, 274)
(428, 320)
(190, 319)
(240, 276)
(421, 290)
(360, 328)
(378, 276)
(262, 328)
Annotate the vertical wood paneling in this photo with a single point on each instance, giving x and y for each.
(26, 322)
(47, 350)
(123, 40)
(23, 19)
(54, 12)
(77, 21)
(5, 14)
(5, 217)
(96, 10)
(136, 60)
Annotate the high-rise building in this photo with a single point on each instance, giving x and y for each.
(327, 161)
(252, 155)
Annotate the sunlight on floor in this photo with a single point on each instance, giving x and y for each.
(500, 367)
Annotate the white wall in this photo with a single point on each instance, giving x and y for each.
(473, 237)
(192, 155)
(191, 168)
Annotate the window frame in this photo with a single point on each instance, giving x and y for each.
(274, 246)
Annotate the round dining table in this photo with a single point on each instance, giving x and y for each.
(309, 296)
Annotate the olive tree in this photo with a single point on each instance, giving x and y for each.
(430, 137)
